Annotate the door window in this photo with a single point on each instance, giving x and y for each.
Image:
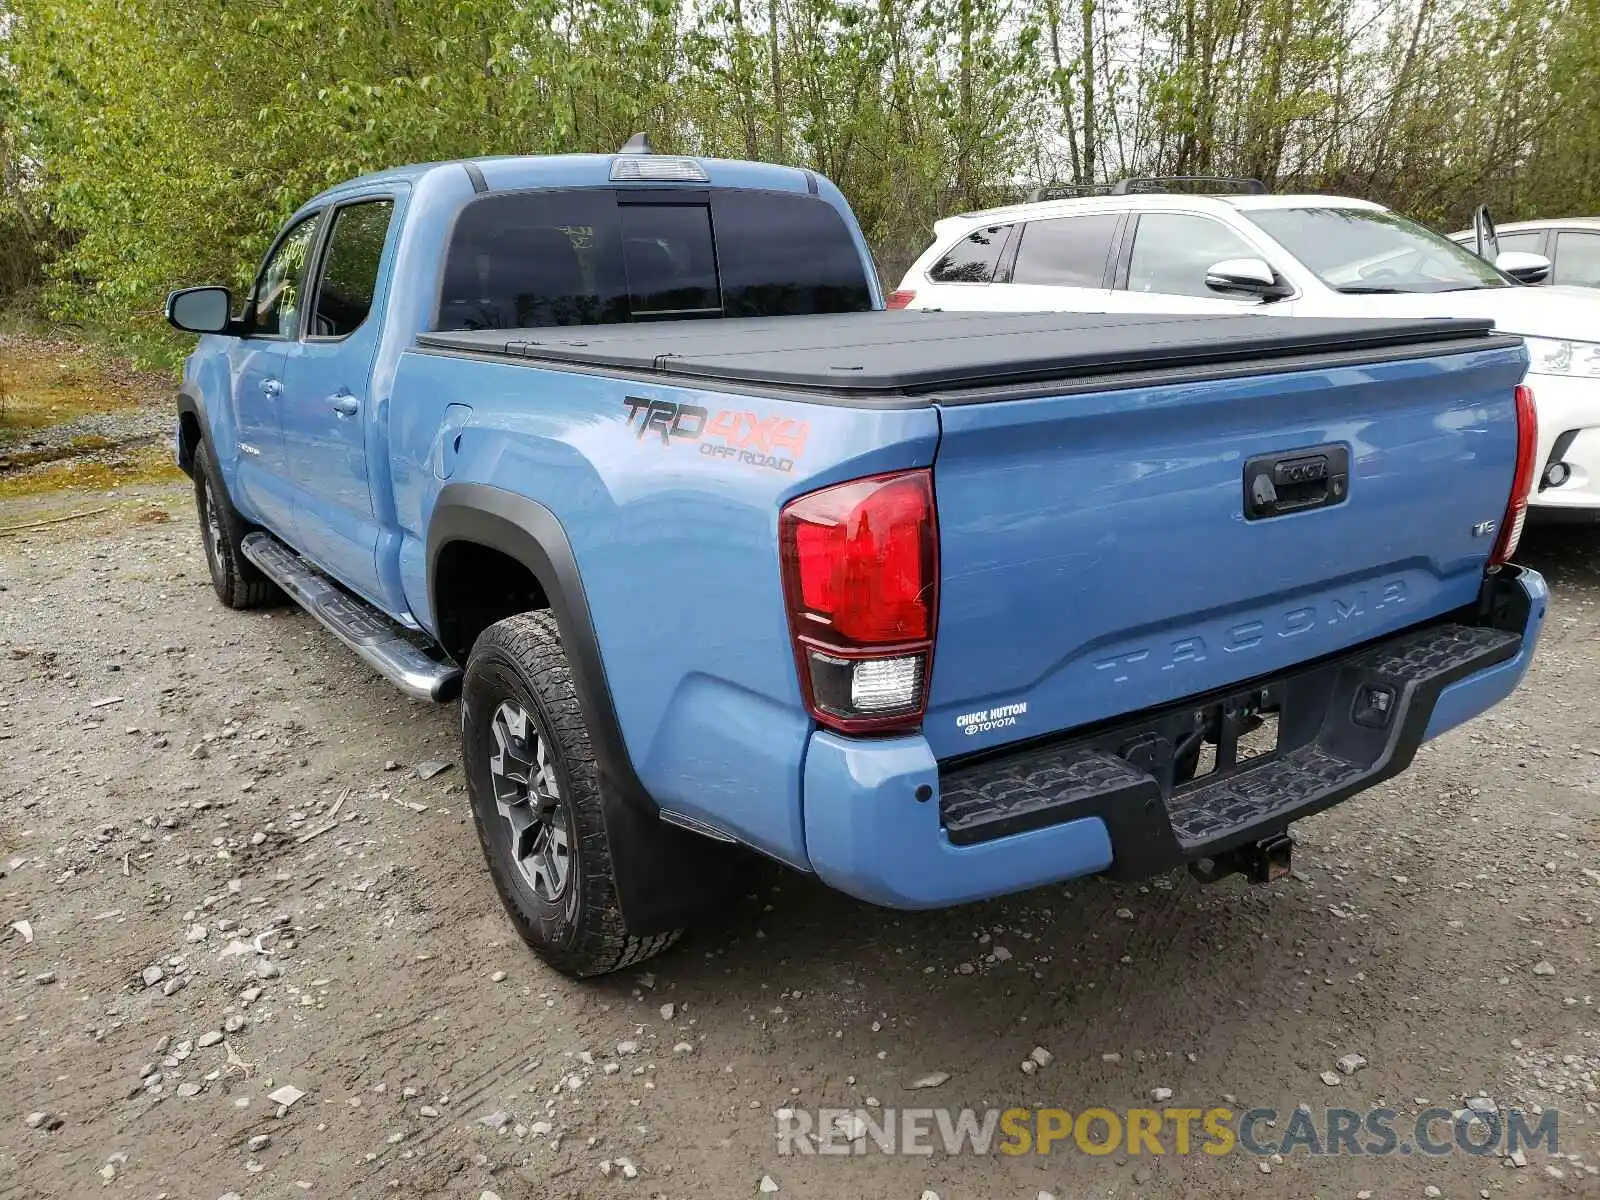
(1527, 243)
(973, 258)
(349, 279)
(276, 301)
(1172, 252)
(1066, 251)
(1578, 258)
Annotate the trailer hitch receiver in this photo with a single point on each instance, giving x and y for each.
(1261, 862)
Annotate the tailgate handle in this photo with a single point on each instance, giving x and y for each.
(1295, 481)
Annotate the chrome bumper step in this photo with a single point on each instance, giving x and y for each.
(404, 657)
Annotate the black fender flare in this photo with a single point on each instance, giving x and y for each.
(189, 406)
(662, 871)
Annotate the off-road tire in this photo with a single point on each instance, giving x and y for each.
(580, 933)
(238, 582)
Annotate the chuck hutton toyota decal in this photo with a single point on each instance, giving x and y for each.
(771, 442)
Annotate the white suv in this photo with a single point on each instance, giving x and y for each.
(1572, 243)
(1138, 250)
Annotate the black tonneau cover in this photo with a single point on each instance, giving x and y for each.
(912, 353)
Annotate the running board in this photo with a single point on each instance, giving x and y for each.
(398, 654)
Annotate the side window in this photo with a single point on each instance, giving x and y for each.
(349, 278)
(1528, 243)
(973, 258)
(1171, 252)
(1578, 259)
(275, 303)
(1066, 251)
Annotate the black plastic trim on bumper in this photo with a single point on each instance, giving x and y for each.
(1323, 755)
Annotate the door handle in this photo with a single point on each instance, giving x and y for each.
(271, 388)
(1312, 477)
(345, 404)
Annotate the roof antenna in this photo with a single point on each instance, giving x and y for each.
(639, 143)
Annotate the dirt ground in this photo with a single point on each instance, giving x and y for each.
(233, 879)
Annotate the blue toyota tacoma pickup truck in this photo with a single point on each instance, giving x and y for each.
(623, 451)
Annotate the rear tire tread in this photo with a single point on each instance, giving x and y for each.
(531, 643)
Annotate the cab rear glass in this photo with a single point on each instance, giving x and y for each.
(604, 256)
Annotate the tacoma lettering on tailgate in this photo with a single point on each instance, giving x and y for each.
(1247, 635)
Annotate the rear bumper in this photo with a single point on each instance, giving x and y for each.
(884, 822)
(1569, 432)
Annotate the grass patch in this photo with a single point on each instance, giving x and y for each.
(43, 385)
(147, 464)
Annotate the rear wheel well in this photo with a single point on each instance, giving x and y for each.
(188, 441)
(475, 586)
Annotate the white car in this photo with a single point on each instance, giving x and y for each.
(1139, 250)
(1571, 243)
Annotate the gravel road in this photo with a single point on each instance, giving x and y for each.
(233, 880)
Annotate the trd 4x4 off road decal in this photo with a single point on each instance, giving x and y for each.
(746, 437)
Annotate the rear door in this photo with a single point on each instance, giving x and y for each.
(1097, 558)
(328, 399)
(1577, 258)
(1057, 264)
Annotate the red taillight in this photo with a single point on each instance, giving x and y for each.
(1522, 482)
(861, 578)
(899, 299)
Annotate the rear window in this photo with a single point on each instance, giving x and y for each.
(595, 257)
(973, 258)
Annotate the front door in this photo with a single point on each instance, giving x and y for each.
(328, 415)
(271, 320)
(1165, 268)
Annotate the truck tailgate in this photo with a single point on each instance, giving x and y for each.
(1102, 552)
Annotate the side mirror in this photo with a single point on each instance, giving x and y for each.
(1523, 266)
(1246, 277)
(200, 310)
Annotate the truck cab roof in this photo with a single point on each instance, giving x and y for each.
(517, 172)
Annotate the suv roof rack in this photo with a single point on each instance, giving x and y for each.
(1160, 183)
(1068, 191)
